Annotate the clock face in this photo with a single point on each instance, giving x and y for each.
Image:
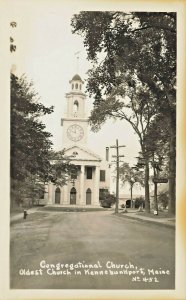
(75, 132)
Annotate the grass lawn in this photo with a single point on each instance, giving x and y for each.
(161, 214)
(71, 209)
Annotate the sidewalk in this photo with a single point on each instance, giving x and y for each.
(19, 216)
(144, 217)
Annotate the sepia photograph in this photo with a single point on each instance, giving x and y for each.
(94, 108)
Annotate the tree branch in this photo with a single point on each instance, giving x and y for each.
(152, 27)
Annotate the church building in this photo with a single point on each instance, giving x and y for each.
(92, 178)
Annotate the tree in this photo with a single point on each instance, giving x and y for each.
(30, 143)
(131, 176)
(33, 162)
(134, 104)
(157, 143)
(137, 50)
(61, 168)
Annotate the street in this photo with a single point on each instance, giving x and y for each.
(90, 250)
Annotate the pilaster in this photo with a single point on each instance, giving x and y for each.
(50, 192)
(65, 195)
(82, 186)
(96, 186)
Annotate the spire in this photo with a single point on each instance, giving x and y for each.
(77, 61)
(76, 83)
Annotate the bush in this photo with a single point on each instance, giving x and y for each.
(139, 201)
(108, 200)
(163, 199)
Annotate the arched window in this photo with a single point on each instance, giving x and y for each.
(73, 196)
(88, 196)
(80, 86)
(57, 195)
(75, 107)
(72, 86)
(76, 86)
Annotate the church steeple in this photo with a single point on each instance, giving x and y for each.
(76, 98)
(76, 83)
(75, 122)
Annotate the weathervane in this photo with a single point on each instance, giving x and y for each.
(77, 62)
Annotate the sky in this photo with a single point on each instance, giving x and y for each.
(45, 53)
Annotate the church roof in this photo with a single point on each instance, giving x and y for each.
(77, 77)
(91, 154)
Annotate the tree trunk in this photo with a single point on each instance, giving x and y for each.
(147, 200)
(131, 198)
(155, 197)
(156, 174)
(146, 166)
(172, 167)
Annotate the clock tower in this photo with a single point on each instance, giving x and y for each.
(84, 186)
(75, 121)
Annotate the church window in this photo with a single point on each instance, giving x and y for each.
(89, 173)
(42, 194)
(76, 86)
(80, 86)
(74, 174)
(88, 196)
(73, 191)
(75, 107)
(72, 86)
(57, 195)
(102, 175)
(73, 196)
(58, 172)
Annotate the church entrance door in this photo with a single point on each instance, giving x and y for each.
(73, 196)
(57, 195)
(88, 197)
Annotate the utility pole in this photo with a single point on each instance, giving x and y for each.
(117, 156)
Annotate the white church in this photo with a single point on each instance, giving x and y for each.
(92, 178)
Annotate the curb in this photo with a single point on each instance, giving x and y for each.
(172, 226)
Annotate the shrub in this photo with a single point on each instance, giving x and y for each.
(108, 200)
(139, 201)
(163, 199)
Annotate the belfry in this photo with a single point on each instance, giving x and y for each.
(92, 177)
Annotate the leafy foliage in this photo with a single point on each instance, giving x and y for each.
(139, 202)
(32, 162)
(61, 168)
(107, 199)
(130, 175)
(133, 75)
(30, 143)
(163, 198)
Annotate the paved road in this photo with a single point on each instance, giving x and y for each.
(90, 250)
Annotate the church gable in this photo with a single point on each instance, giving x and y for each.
(82, 154)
